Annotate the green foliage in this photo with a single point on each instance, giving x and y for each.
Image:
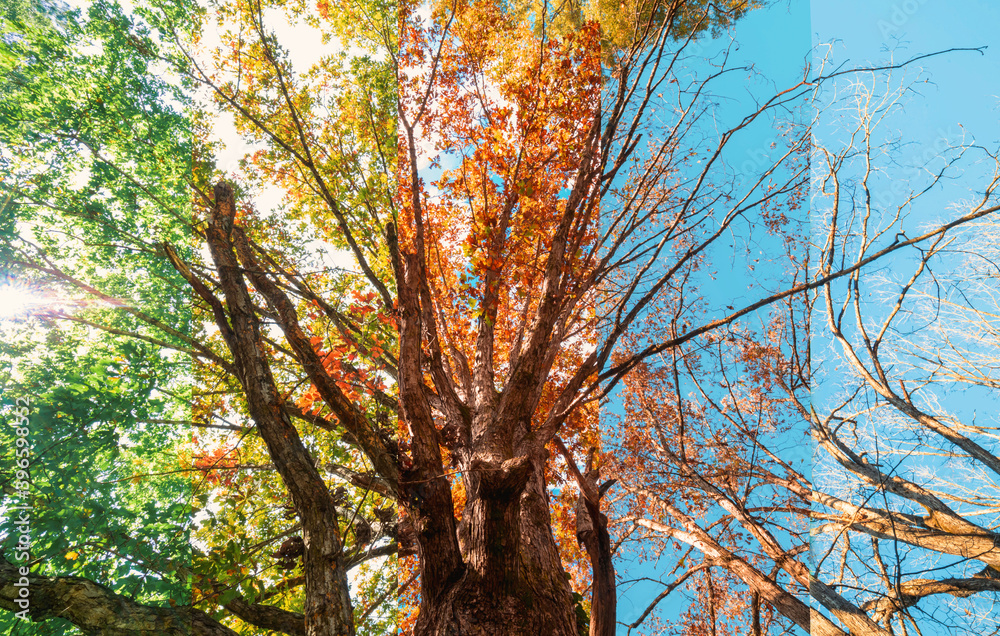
(80, 98)
(107, 502)
(628, 23)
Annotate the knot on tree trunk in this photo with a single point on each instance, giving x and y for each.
(502, 479)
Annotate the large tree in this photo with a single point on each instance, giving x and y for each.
(548, 185)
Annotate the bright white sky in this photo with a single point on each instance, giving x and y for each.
(305, 48)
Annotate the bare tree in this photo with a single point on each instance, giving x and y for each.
(890, 525)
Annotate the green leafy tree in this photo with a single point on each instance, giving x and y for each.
(110, 511)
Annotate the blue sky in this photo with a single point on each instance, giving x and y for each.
(953, 97)
(964, 86)
(773, 46)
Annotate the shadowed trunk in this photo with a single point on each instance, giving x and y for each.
(512, 581)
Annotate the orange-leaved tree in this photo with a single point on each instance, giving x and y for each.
(496, 313)
(543, 213)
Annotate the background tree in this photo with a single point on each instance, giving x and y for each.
(904, 527)
(107, 504)
(244, 513)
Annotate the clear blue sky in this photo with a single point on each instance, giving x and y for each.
(964, 87)
(960, 88)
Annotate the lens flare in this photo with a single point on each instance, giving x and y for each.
(17, 300)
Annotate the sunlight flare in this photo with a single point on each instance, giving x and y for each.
(17, 299)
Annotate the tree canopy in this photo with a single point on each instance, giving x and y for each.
(444, 340)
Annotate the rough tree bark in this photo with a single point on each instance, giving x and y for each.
(97, 610)
(500, 571)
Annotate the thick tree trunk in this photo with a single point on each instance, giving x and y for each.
(512, 582)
